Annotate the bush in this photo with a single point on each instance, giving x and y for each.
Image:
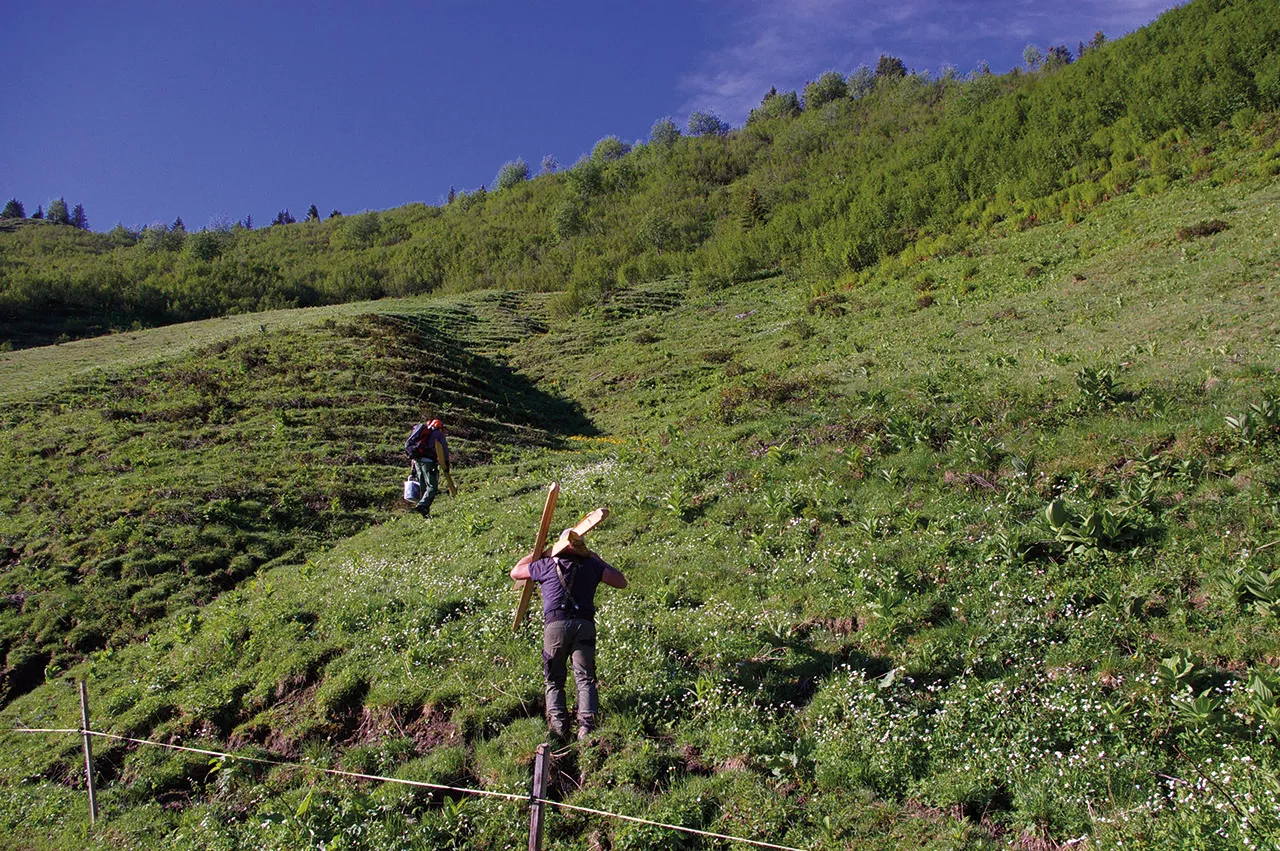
(204, 246)
(610, 148)
(827, 88)
(358, 231)
(707, 124)
(511, 174)
(664, 133)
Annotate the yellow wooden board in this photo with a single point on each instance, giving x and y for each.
(525, 586)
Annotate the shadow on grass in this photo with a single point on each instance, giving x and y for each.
(791, 671)
(501, 404)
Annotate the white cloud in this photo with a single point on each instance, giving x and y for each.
(784, 44)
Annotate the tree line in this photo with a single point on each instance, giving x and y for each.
(850, 180)
(57, 213)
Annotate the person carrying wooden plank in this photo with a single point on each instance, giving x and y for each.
(428, 451)
(568, 575)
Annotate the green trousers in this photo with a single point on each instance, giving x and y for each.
(427, 472)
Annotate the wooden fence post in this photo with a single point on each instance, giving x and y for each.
(88, 752)
(541, 766)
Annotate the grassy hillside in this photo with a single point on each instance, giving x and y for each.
(973, 552)
(129, 496)
(893, 166)
(940, 425)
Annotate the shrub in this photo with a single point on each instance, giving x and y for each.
(829, 87)
(204, 246)
(706, 124)
(511, 174)
(664, 133)
(610, 148)
(775, 105)
(358, 231)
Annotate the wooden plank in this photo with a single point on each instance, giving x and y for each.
(525, 586)
(590, 521)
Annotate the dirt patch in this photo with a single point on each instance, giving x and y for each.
(432, 729)
(428, 727)
(693, 761)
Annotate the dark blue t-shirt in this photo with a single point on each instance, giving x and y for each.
(582, 575)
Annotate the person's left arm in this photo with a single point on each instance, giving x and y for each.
(610, 575)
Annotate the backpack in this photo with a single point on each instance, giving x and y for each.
(418, 444)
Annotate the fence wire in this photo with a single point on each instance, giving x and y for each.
(461, 790)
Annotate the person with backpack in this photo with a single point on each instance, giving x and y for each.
(428, 451)
(568, 577)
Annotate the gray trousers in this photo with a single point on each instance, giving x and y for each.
(562, 641)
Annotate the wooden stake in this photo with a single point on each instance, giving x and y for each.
(88, 752)
(444, 468)
(541, 770)
(525, 586)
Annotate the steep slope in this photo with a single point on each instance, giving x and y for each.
(975, 553)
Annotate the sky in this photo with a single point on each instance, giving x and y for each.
(213, 111)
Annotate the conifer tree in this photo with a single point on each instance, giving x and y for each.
(453, 193)
(39, 213)
(334, 213)
(58, 212)
(313, 215)
(78, 218)
(890, 67)
(13, 210)
(178, 226)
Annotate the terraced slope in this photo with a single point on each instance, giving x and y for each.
(142, 492)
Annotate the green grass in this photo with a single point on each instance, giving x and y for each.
(31, 373)
(851, 623)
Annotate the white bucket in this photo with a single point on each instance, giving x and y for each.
(412, 490)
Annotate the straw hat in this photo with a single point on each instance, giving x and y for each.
(571, 541)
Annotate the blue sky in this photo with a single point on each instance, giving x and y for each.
(145, 111)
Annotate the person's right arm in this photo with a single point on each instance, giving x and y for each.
(521, 568)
